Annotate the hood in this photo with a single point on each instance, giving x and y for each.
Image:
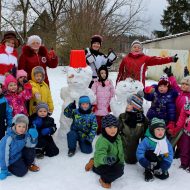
(38, 69)
(28, 51)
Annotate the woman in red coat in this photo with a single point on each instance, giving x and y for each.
(34, 54)
(134, 65)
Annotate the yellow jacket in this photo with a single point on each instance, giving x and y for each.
(44, 95)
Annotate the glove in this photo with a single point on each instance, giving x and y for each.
(110, 160)
(175, 58)
(46, 131)
(149, 90)
(27, 86)
(149, 155)
(168, 71)
(73, 105)
(51, 54)
(33, 133)
(3, 174)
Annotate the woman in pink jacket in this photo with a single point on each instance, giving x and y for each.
(104, 91)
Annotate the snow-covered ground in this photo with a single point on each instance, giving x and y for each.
(62, 172)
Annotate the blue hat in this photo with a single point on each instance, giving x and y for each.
(109, 120)
(84, 99)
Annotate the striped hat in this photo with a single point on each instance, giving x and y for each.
(136, 42)
(136, 101)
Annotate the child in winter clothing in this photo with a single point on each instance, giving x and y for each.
(5, 114)
(133, 125)
(108, 161)
(17, 148)
(155, 152)
(104, 91)
(46, 128)
(40, 90)
(163, 99)
(21, 77)
(17, 101)
(83, 127)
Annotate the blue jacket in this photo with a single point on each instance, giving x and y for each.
(163, 105)
(11, 146)
(84, 124)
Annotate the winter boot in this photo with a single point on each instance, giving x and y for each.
(105, 185)
(163, 175)
(40, 155)
(71, 153)
(89, 165)
(33, 168)
(148, 175)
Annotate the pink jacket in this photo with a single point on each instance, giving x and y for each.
(103, 96)
(182, 96)
(17, 100)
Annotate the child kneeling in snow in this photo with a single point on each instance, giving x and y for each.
(155, 152)
(83, 127)
(108, 161)
(46, 128)
(17, 151)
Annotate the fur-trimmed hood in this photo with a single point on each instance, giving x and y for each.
(28, 51)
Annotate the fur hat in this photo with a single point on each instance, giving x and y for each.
(96, 38)
(34, 38)
(8, 80)
(164, 81)
(21, 73)
(136, 101)
(11, 35)
(42, 105)
(109, 120)
(20, 118)
(136, 42)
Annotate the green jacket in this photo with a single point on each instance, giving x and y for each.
(104, 148)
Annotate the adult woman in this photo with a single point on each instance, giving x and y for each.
(34, 54)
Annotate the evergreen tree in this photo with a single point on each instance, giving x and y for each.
(176, 18)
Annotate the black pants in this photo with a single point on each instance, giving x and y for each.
(109, 173)
(47, 145)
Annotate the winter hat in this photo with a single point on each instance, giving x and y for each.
(186, 80)
(164, 81)
(9, 79)
(42, 105)
(21, 73)
(38, 69)
(109, 120)
(84, 99)
(11, 35)
(20, 118)
(34, 38)
(96, 38)
(136, 42)
(136, 101)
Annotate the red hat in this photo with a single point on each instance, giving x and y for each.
(21, 73)
(77, 59)
(9, 79)
(164, 81)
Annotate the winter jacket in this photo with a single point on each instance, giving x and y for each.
(7, 62)
(84, 124)
(134, 66)
(17, 101)
(163, 105)
(45, 95)
(11, 146)
(29, 59)
(148, 144)
(103, 96)
(131, 132)
(5, 113)
(182, 96)
(105, 148)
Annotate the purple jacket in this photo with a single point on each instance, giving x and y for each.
(103, 96)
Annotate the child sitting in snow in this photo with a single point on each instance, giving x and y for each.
(21, 77)
(40, 90)
(104, 91)
(133, 125)
(108, 161)
(5, 114)
(155, 152)
(83, 127)
(46, 128)
(17, 151)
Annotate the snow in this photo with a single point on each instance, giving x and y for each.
(62, 172)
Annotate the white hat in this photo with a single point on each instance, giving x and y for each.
(136, 42)
(34, 38)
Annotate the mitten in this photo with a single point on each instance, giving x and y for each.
(46, 131)
(175, 58)
(37, 122)
(27, 86)
(73, 105)
(3, 174)
(51, 54)
(174, 131)
(171, 125)
(33, 133)
(149, 89)
(110, 160)
(149, 155)
(168, 71)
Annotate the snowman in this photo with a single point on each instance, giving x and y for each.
(79, 76)
(123, 91)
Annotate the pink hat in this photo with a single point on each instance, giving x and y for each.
(21, 73)
(9, 79)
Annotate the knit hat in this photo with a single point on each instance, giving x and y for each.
(164, 81)
(8, 80)
(136, 42)
(96, 38)
(186, 80)
(136, 101)
(109, 120)
(11, 35)
(84, 99)
(34, 38)
(38, 69)
(21, 73)
(42, 105)
(20, 118)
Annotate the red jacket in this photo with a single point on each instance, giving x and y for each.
(135, 66)
(29, 59)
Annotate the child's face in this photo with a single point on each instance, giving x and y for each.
(129, 107)
(96, 46)
(10, 43)
(185, 87)
(85, 106)
(21, 79)
(12, 87)
(159, 132)
(111, 131)
(38, 77)
(42, 112)
(163, 88)
(20, 128)
(103, 74)
(136, 48)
